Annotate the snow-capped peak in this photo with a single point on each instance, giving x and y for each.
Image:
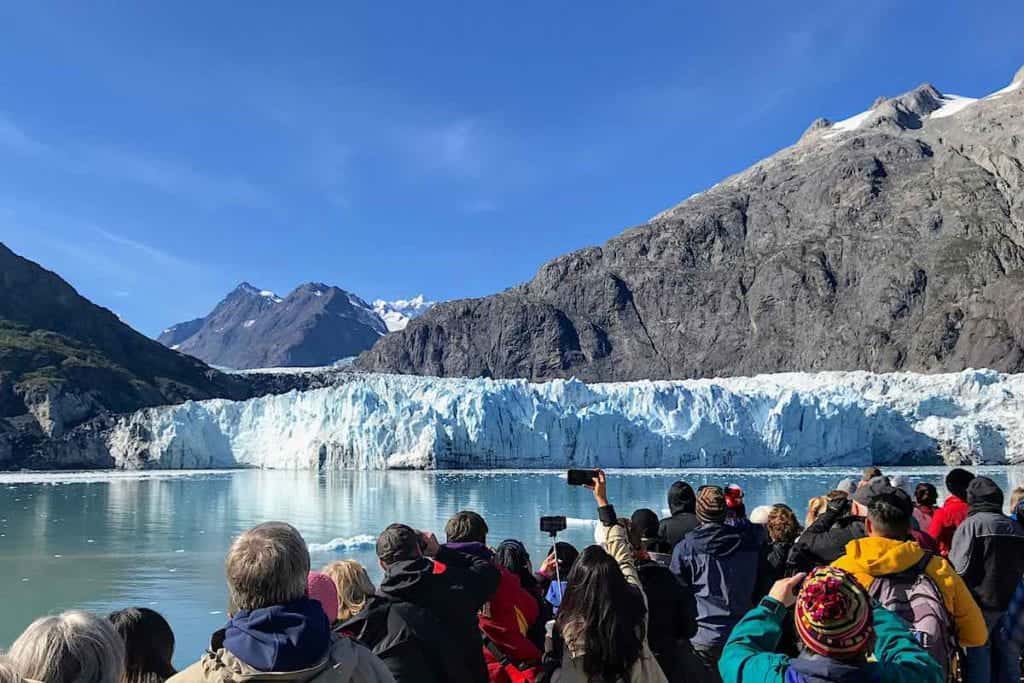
(397, 314)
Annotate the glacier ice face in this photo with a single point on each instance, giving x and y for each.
(785, 420)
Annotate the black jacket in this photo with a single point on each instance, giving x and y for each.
(988, 550)
(825, 541)
(673, 529)
(671, 615)
(436, 601)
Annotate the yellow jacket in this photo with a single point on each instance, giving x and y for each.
(867, 558)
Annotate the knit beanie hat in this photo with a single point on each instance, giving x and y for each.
(321, 588)
(733, 496)
(711, 505)
(957, 482)
(833, 614)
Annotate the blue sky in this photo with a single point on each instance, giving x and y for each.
(156, 154)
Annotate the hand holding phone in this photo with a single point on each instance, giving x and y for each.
(581, 477)
(786, 590)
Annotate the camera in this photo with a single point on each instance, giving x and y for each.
(552, 525)
(581, 477)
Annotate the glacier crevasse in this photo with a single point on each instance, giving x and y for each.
(783, 420)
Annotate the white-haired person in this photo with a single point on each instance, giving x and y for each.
(73, 647)
(274, 627)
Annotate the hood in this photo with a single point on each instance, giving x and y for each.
(881, 556)
(718, 540)
(287, 637)
(472, 548)
(681, 498)
(983, 495)
(406, 580)
(815, 669)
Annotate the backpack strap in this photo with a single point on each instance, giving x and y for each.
(500, 655)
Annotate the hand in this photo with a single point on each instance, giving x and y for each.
(600, 488)
(786, 590)
(547, 568)
(430, 544)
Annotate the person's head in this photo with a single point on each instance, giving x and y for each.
(149, 645)
(645, 522)
(601, 615)
(984, 491)
(1016, 498)
(760, 514)
(848, 486)
(353, 585)
(733, 497)
(833, 616)
(899, 481)
(566, 556)
(957, 482)
(926, 495)
(681, 498)
(321, 588)
(782, 525)
(267, 565)
(398, 543)
(889, 515)
(73, 647)
(815, 507)
(870, 473)
(867, 493)
(466, 527)
(711, 505)
(513, 556)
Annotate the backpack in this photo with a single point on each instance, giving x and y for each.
(915, 597)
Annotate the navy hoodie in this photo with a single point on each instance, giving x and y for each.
(814, 669)
(288, 637)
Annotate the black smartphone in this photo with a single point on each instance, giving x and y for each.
(552, 525)
(581, 477)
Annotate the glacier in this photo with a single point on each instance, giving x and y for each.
(370, 421)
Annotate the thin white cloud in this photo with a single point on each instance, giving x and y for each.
(13, 137)
(458, 148)
(148, 250)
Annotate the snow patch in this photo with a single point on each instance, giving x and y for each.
(952, 104)
(850, 124)
(267, 294)
(248, 323)
(784, 420)
(1016, 85)
(397, 314)
(175, 347)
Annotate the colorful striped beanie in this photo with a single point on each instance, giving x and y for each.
(833, 614)
(711, 505)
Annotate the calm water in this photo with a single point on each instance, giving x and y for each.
(109, 540)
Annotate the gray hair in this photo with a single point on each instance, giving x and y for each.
(8, 674)
(267, 565)
(73, 647)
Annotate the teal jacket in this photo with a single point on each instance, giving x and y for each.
(750, 657)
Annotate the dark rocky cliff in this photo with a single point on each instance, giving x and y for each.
(890, 241)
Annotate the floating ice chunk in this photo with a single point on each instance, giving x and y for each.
(348, 543)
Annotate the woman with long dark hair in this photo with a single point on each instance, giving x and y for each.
(149, 645)
(601, 627)
(926, 500)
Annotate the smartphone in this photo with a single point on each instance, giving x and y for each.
(581, 477)
(552, 525)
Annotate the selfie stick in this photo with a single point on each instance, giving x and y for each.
(554, 551)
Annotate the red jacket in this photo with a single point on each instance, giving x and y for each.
(505, 620)
(945, 521)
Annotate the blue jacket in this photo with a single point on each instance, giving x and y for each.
(720, 564)
(280, 638)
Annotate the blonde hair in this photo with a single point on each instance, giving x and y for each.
(1015, 498)
(267, 565)
(815, 506)
(354, 587)
(8, 674)
(73, 647)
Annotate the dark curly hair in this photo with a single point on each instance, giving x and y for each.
(782, 524)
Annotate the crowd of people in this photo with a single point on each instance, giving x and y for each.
(880, 583)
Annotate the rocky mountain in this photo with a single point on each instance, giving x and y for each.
(64, 361)
(251, 328)
(892, 240)
(397, 314)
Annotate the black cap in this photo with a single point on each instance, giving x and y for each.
(399, 542)
(879, 486)
(646, 522)
(957, 482)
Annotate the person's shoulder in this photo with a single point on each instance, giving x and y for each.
(194, 673)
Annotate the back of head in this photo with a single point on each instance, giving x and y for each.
(984, 491)
(149, 644)
(847, 486)
(889, 515)
(782, 525)
(711, 505)
(513, 556)
(267, 565)
(323, 590)
(602, 616)
(398, 543)
(833, 615)
(957, 482)
(1016, 497)
(466, 527)
(9, 674)
(566, 555)
(760, 514)
(353, 586)
(645, 521)
(870, 473)
(926, 494)
(73, 647)
(681, 498)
